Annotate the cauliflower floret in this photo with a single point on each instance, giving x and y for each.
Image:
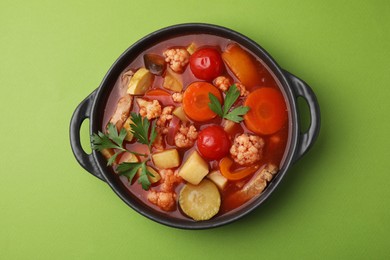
(186, 136)
(242, 89)
(163, 120)
(247, 149)
(158, 142)
(177, 59)
(223, 83)
(164, 200)
(170, 180)
(166, 197)
(177, 97)
(149, 109)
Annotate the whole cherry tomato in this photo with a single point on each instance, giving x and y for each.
(213, 142)
(206, 64)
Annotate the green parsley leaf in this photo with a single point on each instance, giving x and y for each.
(131, 169)
(215, 106)
(143, 178)
(111, 140)
(140, 128)
(236, 114)
(231, 97)
(112, 159)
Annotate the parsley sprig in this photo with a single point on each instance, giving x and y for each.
(130, 169)
(140, 127)
(231, 97)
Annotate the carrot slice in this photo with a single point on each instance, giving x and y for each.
(226, 163)
(196, 101)
(157, 92)
(243, 65)
(267, 113)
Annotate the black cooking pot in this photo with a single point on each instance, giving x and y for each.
(93, 106)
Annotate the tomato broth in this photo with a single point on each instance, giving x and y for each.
(273, 144)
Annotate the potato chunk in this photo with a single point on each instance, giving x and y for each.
(166, 159)
(126, 125)
(218, 179)
(200, 202)
(141, 81)
(172, 82)
(179, 112)
(156, 176)
(194, 169)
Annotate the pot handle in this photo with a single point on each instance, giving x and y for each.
(307, 139)
(82, 112)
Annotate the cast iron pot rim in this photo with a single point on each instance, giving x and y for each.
(190, 28)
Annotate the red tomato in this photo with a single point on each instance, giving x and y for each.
(206, 64)
(213, 142)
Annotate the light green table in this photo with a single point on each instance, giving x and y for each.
(333, 204)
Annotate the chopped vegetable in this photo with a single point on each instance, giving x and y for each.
(268, 111)
(173, 128)
(194, 169)
(218, 179)
(126, 125)
(172, 81)
(166, 159)
(191, 48)
(232, 95)
(226, 163)
(200, 202)
(157, 92)
(243, 65)
(155, 63)
(156, 176)
(141, 81)
(179, 112)
(196, 99)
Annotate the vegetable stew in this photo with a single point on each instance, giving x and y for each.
(196, 126)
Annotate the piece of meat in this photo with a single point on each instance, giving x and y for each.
(251, 189)
(122, 111)
(258, 183)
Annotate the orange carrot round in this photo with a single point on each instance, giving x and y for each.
(196, 101)
(267, 113)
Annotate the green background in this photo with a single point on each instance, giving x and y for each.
(332, 204)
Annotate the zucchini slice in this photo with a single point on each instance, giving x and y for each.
(200, 202)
